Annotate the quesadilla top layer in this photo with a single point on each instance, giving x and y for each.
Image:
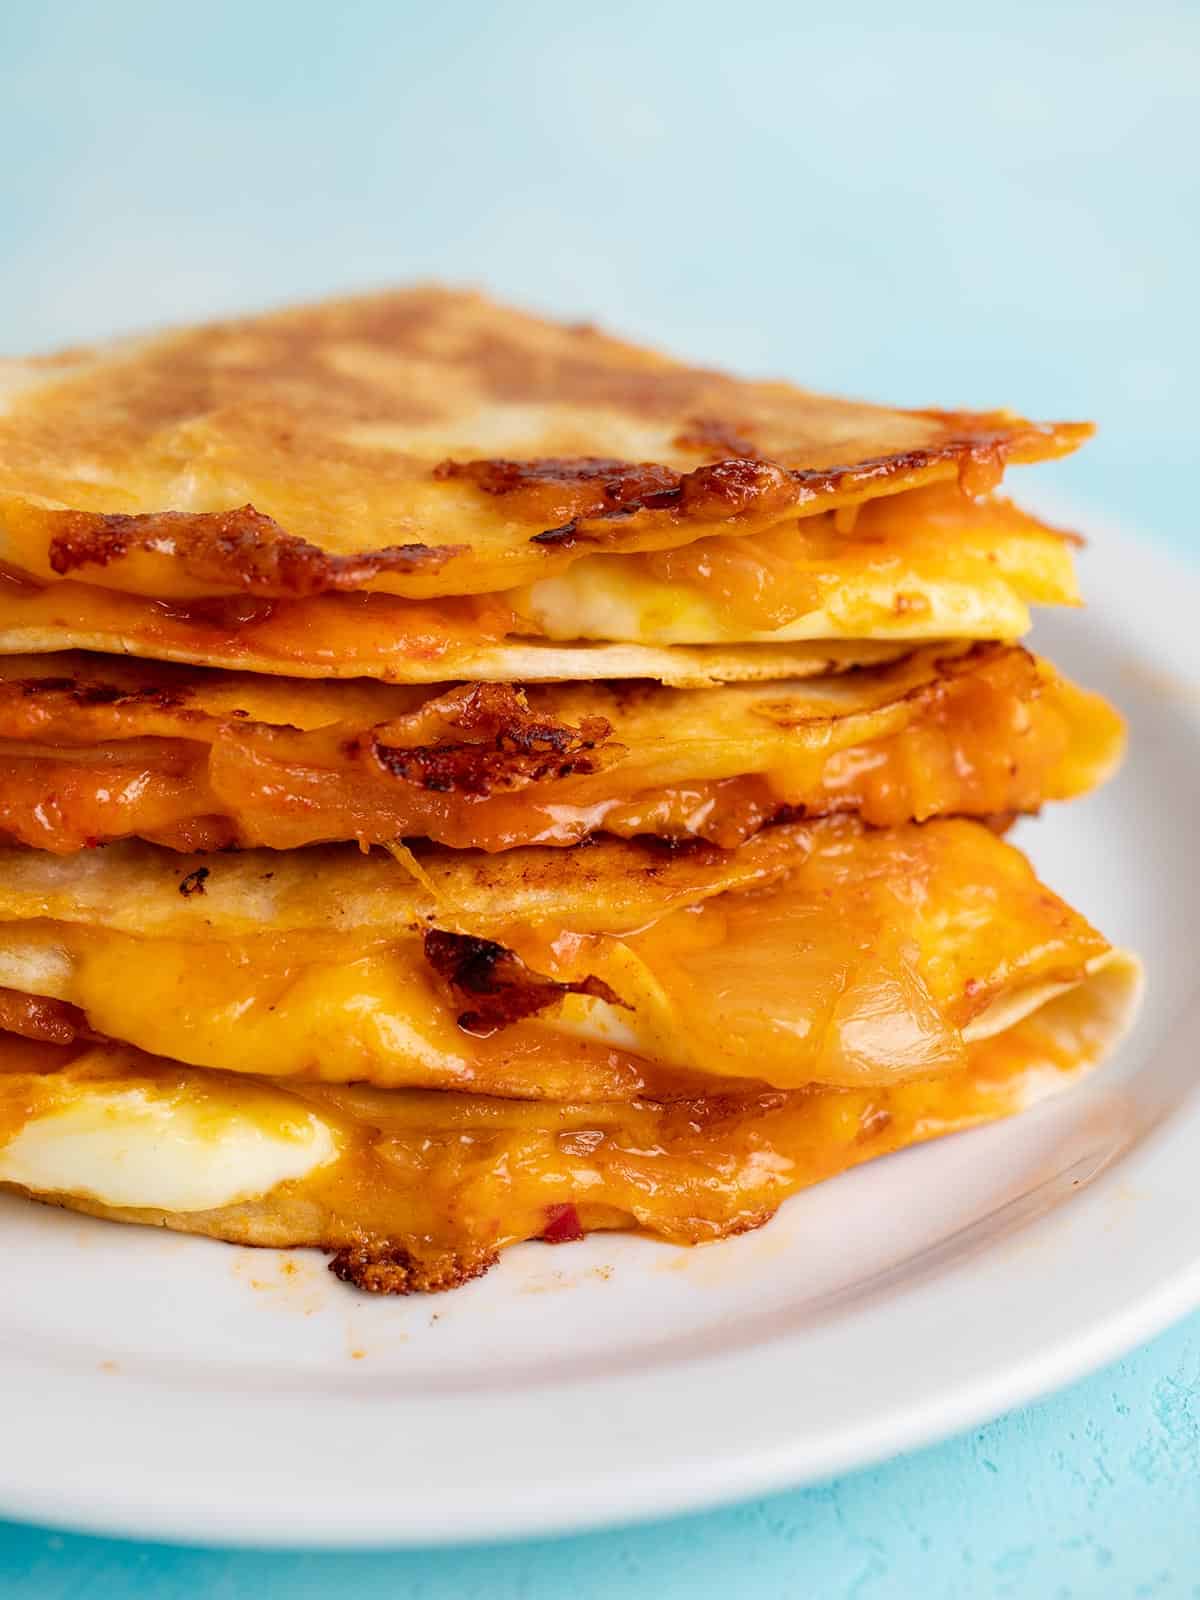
(94, 748)
(816, 952)
(423, 486)
(428, 442)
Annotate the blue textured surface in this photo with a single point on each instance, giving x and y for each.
(922, 203)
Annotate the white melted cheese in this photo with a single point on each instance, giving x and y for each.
(138, 1146)
(591, 602)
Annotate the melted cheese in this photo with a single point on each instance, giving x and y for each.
(184, 1149)
(336, 636)
(924, 565)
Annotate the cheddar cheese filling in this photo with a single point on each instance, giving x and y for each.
(932, 563)
(372, 635)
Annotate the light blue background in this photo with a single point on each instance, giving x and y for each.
(938, 204)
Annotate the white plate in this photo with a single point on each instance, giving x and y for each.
(176, 1388)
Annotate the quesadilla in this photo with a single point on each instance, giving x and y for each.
(93, 749)
(465, 779)
(423, 486)
(419, 1191)
(820, 952)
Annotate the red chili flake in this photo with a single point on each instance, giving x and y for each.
(562, 1225)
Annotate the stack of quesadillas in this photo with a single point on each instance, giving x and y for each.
(465, 780)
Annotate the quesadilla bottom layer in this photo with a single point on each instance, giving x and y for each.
(422, 1191)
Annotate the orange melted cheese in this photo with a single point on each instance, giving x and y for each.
(333, 635)
(893, 562)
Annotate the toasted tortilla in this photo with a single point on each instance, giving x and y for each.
(428, 443)
(417, 1191)
(817, 952)
(94, 748)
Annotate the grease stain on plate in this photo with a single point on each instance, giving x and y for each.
(283, 1279)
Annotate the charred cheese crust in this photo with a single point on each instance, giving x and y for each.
(425, 1190)
(92, 750)
(817, 953)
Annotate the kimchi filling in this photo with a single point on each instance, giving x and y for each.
(987, 742)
